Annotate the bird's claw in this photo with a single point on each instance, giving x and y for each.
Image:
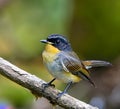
(60, 94)
(45, 85)
(52, 85)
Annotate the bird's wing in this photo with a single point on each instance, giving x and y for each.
(95, 63)
(71, 63)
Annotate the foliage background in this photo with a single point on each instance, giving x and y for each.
(93, 28)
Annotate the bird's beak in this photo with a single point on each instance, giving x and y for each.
(43, 41)
(46, 42)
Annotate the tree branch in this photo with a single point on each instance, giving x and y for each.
(34, 84)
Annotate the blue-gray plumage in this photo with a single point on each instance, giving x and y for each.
(64, 64)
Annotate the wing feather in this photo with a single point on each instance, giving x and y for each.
(71, 63)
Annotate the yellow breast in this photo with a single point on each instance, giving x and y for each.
(49, 54)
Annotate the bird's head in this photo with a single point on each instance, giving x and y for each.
(58, 41)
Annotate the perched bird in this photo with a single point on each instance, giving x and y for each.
(64, 64)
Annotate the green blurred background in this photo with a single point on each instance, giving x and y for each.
(93, 28)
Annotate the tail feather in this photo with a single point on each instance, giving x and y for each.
(84, 74)
(95, 63)
(87, 78)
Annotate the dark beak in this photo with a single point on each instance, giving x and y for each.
(44, 41)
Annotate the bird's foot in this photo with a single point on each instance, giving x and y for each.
(60, 94)
(45, 85)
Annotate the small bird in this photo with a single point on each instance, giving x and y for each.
(64, 64)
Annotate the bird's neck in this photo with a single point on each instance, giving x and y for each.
(64, 47)
(51, 49)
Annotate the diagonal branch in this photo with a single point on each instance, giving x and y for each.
(34, 84)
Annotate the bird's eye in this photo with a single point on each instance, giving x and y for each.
(57, 41)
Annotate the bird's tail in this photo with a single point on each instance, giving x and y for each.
(84, 74)
(95, 63)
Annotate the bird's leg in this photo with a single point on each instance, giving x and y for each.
(49, 83)
(65, 90)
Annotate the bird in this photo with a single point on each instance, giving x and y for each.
(64, 64)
